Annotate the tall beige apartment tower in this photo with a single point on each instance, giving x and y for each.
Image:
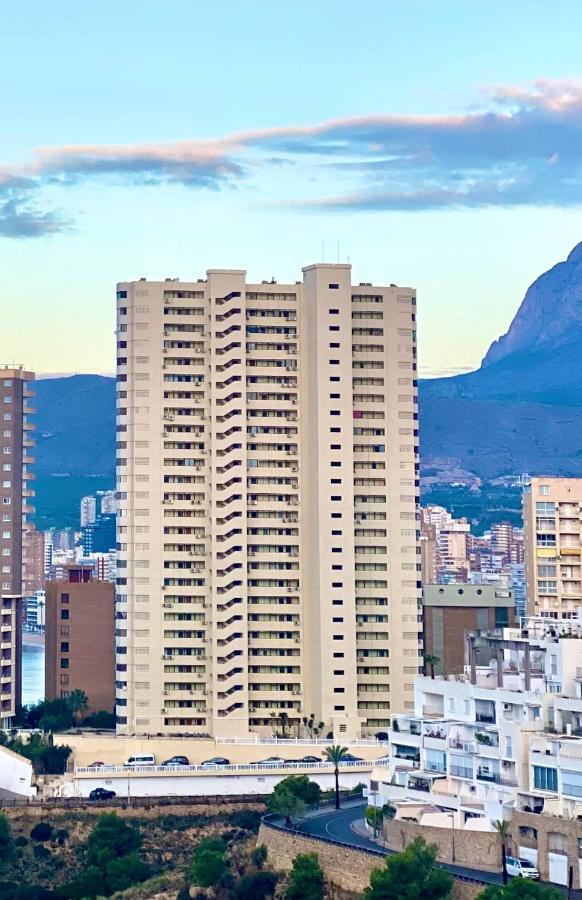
(15, 490)
(267, 441)
(552, 521)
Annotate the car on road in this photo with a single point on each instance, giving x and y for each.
(215, 761)
(101, 794)
(520, 868)
(95, 765)
(175, 762)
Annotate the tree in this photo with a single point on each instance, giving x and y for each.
(111, 838)
(335, 754)
(411, 875)
(256, 887)
(302, 786)
(6, 843)
(259, 856)
(431, 661)
(306, 878)
(78, 703)
(209, 863)
(284, 802)
(374, 817)
(42, 831)
(502, 829)
(310, 726)
(125, 871)
(520, 889)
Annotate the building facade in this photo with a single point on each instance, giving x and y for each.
(268, 491)
(15, 491)
(34, 560)
(552, 520)
(80, 638)
(451, 609)
(88, 511)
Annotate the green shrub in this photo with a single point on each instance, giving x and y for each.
(245, 818)
(209, 863)
(305, 879)
(42, 831)
(41, 852)
(256, 887)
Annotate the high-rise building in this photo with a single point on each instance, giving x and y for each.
(14, 493)
(99, 536)
(108, 502)
(80, 638)
(33, 568)
(552, 521)
(88, 510)
(267, 442)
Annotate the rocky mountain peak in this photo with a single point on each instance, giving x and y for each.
(550, 314)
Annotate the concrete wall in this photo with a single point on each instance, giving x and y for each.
(114, 750)
(545, 826)
(15, 775)
(473, 849)
(346, 867)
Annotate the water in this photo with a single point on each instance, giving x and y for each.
(32, 673)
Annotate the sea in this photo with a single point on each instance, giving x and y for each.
(32, 673)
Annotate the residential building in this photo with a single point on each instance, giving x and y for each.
(88, 510)
(80, 638)
(108, 502)
(99, 536)
(452, 609)
(268, 490)
(501, 740)
(33, 562)
(429, 553)
(15, 491)
(35, 611)
(552, 531)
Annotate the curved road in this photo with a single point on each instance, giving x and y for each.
(337, 825)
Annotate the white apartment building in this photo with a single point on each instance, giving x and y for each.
(88, 510)
(268, 493)
(506, 735)
(552, 519)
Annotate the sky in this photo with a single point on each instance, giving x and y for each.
(432, 144)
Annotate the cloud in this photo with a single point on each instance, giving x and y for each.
(521, 147)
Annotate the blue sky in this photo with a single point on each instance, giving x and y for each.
(439, 143)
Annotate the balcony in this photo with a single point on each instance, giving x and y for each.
(456, 743)
(486, 718)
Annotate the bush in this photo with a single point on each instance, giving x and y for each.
(62, 836)
(389, 810)
(20, 841)
(209, 863)
(41, 852)
(245, 818)
(111, 838)
(374, 816)
(6, 842)
(125, 871)
(256, 887)
(101, 719)
(259, 856)
(42, 831)
(306, 878)
(183, 893)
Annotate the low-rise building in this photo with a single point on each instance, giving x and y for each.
(503, 737)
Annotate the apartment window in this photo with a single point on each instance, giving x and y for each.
(334, 327)
(336, 515)
(64, 614)
(339, 655)
(335, 378)
(64, 646)
(339, 708)
(338, 619)
(338, 637)
(545, 779)
(544, 490)
(334, 345)
(64, 598)
(545, 508)
(335, 429)
(335, 447)
(334, 362)
(339, 690)
(337, 602)
(339, 672)
(333, 287)
(334, 396)
(64, 663)
(336, 498)
(336, 532)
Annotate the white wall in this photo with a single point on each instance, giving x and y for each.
(15, 774)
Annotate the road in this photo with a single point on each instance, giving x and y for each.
(337, 826)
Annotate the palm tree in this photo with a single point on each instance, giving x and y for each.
(335, 754)
(502, 829)
(79, 703)
(430, 661)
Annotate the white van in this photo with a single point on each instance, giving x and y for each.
(521, 868)
(140, 759)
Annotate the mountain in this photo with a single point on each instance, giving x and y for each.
(522, 409)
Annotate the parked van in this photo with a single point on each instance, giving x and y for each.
(521, 868)
(141, 759)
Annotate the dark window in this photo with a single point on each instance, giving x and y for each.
(337, 602)
(334, 345)
(334, 327)
(336, 498)
(64, 598)
(335, 430)
(337, 584)
(334, 362)
(334, 378)
(338, 637)
(335, 447)
(338, 655)
(64, 613)
(64, 646)
(339, 672)
(336, 531)
(339, 690)
(339, 708)
(64, 663)
(338, 619)
(334, 396)
(333, 287)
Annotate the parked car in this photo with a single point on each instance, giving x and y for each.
(520, 868)
(176, 762)
(270, 761)
(381, 735)
(101, 794)
(216, 761)
(141, 759)
(95, 765)
(310, 759)
(349, 757)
